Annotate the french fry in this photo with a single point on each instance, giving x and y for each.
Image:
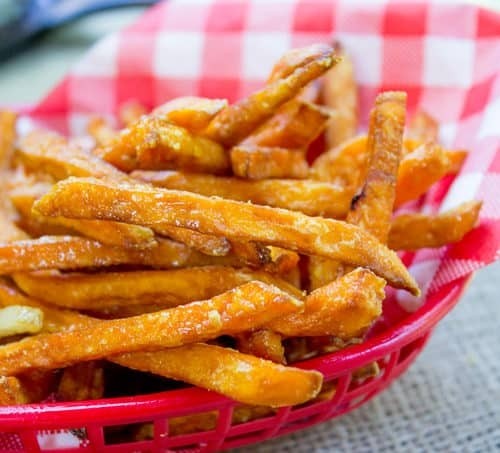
(242, 308)
(340, 93)
(423, 128)
(130, 112)
(263, 343)
(19, 319)
(11, 391)
(310, 197)
(257, 162)
(155, 144)
(82, 381)
(205, 243)
(235, 122)
(143, 205)
(168, 288)
(416, 231)
(110, 233)
(295, 125)
(241, 377)
(344, 308)
(191, 112)
(100, 130)
(8, 121)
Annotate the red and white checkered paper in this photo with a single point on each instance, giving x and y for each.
(445, 56)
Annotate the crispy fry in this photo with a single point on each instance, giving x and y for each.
(7, 137)
(340, 93)
(19, 319)
(110, 233)
(309, 197)
(245, 307)
(242, 377)
(82, 381)
(100, 130)
(423, 128)
(144, 205)
(154, 143)
(295, 125)
(345, 308)
(12, 392)
(416, 231)
(167, 288)
(237, 121)
(191, 112)
(257, 162)
(130, 112)
(263, 343)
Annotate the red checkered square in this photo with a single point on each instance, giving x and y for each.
(184, 16)
(488, 24)
(91, 94)
(477, 97)
(402, 60)
(359, 18)
(170, 87)
(487, 58)
(451, 20)
(229, 44)
(314, 16)
(226, 88)
(233, 18)
(135, 87)
(134, 56)
(408, 21)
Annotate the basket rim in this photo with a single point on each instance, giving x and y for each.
(121, 410)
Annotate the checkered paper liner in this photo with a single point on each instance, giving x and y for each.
(445, 56)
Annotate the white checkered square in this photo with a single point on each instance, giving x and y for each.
(100, 60)
(490, 126)
(464, 188)
(178, 54)
(261, 51)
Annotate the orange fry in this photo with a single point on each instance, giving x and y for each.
(168, 288)
(8, 121)
(416, 231)
(310, 197)
(97, 199)
(82, 381)
(130, 112)
(263, 343)
(237, 121)
(101, 131)
(423, 128)
(340, 93)
(243, 308)
(12, 392)
(295, 125)
(257, 162)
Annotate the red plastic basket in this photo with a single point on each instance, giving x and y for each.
(394, 350)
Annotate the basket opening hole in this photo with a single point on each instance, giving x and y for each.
(67, 440)
(128, 433)
(193, 423)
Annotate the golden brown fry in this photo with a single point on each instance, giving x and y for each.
(155, 144)
(237, 121)
(241, 377)
(191, 112)
(345, 308)
(20, 319)
(456, 158)
(416, 231)
(257, 162)
(168, 288)
(100, 130)
(12, 392)
(263, 343)
(340, 93)
(282, 261)
(295, 125)
(205, 243)
(82, 381)
(7, 137)
(110, 233)
(310, 197)
(130, 112)
(423, 128)
(143, 205)
(242, 308)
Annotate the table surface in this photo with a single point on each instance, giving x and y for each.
(449, 400)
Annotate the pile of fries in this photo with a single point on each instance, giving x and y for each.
(198, 243)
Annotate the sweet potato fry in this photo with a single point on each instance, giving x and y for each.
(191, 112)
(11, 391)
(295, 125)
(245, 307)
(167, 288)
(241, 377)
(257, 162)
(110, 233)
(310, 197)
(97, 199)
(235, 122)
(154, 143)
(7, 137)
(344, 308)
(340, 93)
(82, 381)
(416, 231)
(68, 252)
(423, 128)
(130, 112)
(263, 343)
(20, 319)
(101, 131)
